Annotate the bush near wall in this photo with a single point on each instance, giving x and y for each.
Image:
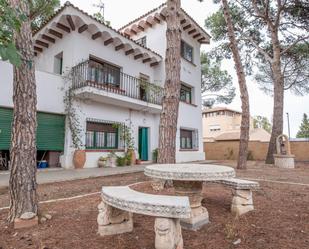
(228, 150)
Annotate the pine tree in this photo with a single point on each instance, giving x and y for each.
(304, 128)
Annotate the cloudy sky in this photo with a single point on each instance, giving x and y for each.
(120, 12)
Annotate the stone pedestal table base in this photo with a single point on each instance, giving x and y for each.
(199, 215)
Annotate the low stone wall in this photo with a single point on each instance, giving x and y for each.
(228, 150)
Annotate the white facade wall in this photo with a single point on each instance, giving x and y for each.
(105, 112)
(190, 116)
(50, 91)
(76, 48)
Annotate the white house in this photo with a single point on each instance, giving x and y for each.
(116, 76)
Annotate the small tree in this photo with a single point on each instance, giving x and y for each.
(304, 128)
(262, 122)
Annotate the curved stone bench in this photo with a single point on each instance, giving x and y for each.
(118, 204)
(242, 201)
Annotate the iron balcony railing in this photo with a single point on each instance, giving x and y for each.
(113, 80)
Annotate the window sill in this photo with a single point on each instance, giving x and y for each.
(188, 103)
(188, 150)
(105, 150)
(190, 62)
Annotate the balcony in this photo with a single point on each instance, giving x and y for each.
(108, 84)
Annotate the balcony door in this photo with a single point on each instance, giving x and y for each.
(104, 73)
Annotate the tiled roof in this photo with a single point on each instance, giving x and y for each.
(154, 10)
(69, 4)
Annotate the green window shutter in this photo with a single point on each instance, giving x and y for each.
(6, 116)
(50, 130)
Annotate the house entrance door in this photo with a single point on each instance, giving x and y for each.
(143, 143)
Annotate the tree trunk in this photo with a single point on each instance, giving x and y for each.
(23, 196)
(277, 128)
(245, 117)
(170, 103)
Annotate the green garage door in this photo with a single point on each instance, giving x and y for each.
(50, 131)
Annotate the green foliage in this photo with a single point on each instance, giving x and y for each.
(217, 84)
(10, 21)
(255, 43)
(294, 65)
(304, 128)
(126, 134)
(121, 161)
(125, 160)
(262, 122)
(101, 19)
(40, 10)
(155, 155)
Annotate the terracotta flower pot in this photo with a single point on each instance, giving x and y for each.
(133, 156)
(79, 159)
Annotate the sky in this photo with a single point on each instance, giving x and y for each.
(120, 12)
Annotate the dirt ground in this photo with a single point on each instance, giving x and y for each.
(280, 219)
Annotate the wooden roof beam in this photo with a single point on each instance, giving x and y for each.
(146, 60)
(138, 56)
(163, 17)
(192, 31)
(63, 27)
(149, 24)
(96, 35)
(121, 46)
(108, 41)
(187, 27)
(48, 38)
(141, 28)
(183, 21)
(131, 51)
(154, 64)
(38, 49)
(197, 35)
(201, 40)
(133, 31)
(55, 33)
(71, 22)
(82, 28)
(41, 43)
(157, 19)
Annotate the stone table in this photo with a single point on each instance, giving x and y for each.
(188, 181)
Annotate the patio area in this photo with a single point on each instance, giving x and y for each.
(278, 221)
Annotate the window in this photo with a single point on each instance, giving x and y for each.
(186, 94)
(101, 136)
(103, 73)
(58, 63)
(214, 128)
(186, 51)
(142, 41)
(186, 139)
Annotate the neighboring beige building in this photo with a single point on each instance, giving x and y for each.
(221, 123)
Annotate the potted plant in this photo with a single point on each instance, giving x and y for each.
(102, 162)
(111, 160)
(121, 161)
(127, 137)
(155, 155)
